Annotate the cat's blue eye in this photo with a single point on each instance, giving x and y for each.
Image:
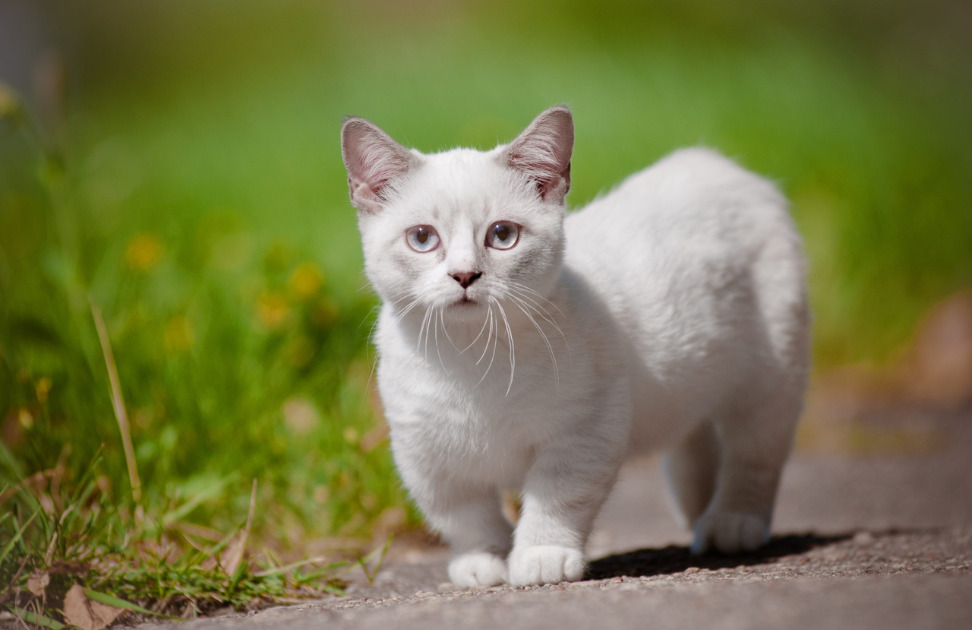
(503, 235)
(422, 238)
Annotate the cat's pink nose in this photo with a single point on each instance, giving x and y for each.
(466, 278)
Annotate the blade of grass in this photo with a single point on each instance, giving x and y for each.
(37, 619)
(18, 536)
(117, 402)
(333, 590)
(214, 551)
(302, 563)
(174, 516)
(108, 600)
(235, 559)
(236, 566)
(363, 561)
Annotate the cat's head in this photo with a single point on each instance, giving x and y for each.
(460, 229)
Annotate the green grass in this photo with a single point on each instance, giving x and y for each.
(133, 564)
(193, 192)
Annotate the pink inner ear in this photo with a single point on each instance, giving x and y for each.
(540, 156)
(362, 191)
(372, 158)
(543, 167)
(377, 163)
(543, 150)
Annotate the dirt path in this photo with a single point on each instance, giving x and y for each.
(862, 540)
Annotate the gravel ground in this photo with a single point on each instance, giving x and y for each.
(862, 540)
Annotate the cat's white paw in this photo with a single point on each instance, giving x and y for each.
(730, 532)
(545, 564)
(477, 569)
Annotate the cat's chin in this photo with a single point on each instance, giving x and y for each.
(465, 310)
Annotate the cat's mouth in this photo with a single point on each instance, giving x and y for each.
(465, 300)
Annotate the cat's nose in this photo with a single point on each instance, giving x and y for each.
(466, 278)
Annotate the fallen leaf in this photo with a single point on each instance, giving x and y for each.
(37, 583)
(87, 614)
(73, 567)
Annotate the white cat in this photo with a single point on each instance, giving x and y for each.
(519, 350)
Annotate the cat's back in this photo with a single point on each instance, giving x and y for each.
(694, 201)
(698, 261)
(693, 222)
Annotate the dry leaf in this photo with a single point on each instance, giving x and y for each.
(37, 583)
(73, 567)
(88, 615)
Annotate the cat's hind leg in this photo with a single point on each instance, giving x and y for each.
(755, 427)
(691, 468)
(753, 445)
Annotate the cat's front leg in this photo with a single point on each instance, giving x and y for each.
(561, 498)
(471, 520)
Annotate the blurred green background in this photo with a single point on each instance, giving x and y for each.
(186, 178)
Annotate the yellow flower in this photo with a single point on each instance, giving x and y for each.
(306, 280)
(42, 387)
(26, 418)
(273, 309)
(143, 252)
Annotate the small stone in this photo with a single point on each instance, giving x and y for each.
(691, 570)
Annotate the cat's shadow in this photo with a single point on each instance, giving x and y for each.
(673, 559)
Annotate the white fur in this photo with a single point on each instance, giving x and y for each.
(669, 314)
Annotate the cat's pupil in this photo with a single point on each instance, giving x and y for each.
(501, 232)
(421, 235)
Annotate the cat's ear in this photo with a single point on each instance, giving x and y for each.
(374, 161)
(542, 152)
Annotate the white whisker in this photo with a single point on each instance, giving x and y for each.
(439, 319)
(428, 331)
(534, 306)
(374, 360)
(553, 358)
(408, 307)
(489, 318)
(509, 334)
(423, 329)
(525, 289)
(471, 343)
(493, 323)
(445, 329)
